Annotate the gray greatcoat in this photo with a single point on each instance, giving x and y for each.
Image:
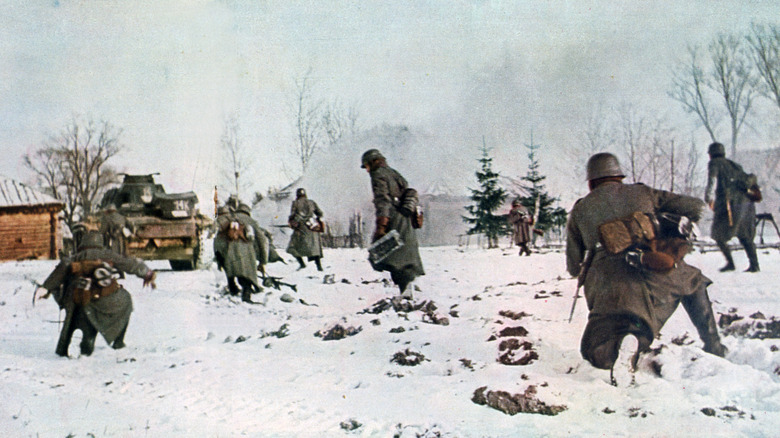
(612, 287)
(388, 185)
(304, 242)
(112, 227)
(110, 314)
(743, 211)
(240, 257)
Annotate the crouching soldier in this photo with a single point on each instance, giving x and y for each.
(632, 282)
(86, 286)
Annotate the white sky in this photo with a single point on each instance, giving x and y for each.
(168, 72)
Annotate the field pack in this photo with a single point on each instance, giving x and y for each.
(409, 206)
(746, 183)
(94, 279)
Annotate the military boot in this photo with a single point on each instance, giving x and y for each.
(729, 260)
(301, 263)
(87, 345)
(119, 342)
(246, 295)
(750, 250)
(318, 262)
(699, 309)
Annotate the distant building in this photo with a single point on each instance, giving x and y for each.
(29, 223)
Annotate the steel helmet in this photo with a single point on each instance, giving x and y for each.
(603, 165)
(369, 156)
(717, 150)
(92, 239)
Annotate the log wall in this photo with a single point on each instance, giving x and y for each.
(31, 233)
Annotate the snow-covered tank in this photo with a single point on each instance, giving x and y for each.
(166, 226)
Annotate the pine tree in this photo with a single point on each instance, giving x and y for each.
(548, 216)
(487, 199)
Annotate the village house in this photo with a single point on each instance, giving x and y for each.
(29, 223)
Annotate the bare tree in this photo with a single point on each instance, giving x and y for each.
(689, 87)
(764, 43)
(597, 135)
(633, 140)
(72, 166)
(239, 159)
(338, 122)
(308, 120)
(734, 79)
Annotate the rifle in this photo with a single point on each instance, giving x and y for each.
(276, 282)
(38, 286)
(728, 209)
(216, 203)
(581, 279)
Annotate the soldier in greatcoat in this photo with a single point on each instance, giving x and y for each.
(237, 246)
(404, 264)
(521, 223)
(734, 213)
(85, 285)
(304, 220)
(628, 305)
(115, 228)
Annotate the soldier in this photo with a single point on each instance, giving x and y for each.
(404, 264)
(236, 247)
(630, 302)
(115, 228)
(262, 237)
(521, 223)
(220, 239)
(735, 214)
(85, 285)
(305, 222)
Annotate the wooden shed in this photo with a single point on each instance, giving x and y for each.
(29, 223)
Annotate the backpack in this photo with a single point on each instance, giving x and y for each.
(235, 230)
(744, 182)
(93, 279)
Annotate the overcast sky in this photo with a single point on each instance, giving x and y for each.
(168, 72)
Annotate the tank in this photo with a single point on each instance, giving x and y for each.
(167, 226)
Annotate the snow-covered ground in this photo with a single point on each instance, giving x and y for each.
(200, 364)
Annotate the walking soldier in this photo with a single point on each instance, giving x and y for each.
(85, 285)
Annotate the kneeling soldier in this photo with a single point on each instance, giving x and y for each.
(86, 286)
(632, 289)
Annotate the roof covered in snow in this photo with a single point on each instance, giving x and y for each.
(16, 194)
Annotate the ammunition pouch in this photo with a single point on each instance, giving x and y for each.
(634, 230)
(85, 290)
(653, 242)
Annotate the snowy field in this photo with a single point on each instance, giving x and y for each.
(200, 364)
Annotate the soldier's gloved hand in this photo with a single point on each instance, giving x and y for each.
(381, 227)
(149, 279)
